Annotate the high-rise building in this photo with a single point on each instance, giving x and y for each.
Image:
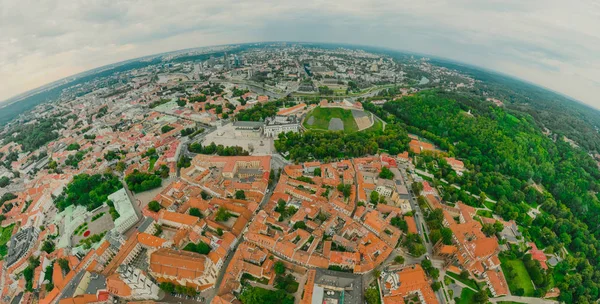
(226, 60)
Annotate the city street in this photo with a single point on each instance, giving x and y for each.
(211, 293)
(423, 229)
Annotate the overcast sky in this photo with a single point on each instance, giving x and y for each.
(552, 43)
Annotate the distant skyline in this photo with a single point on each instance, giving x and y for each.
(555, 44)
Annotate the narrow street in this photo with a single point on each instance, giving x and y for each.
(211, 293)
(424, 230)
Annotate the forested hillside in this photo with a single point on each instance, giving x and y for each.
(558, 113)
(507, 153)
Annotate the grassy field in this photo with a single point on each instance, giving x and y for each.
(377, 126)
(467, 282)
(152, 162)
(485, 213)
(466, 296)
(322, 116)
(5, 234)
(522, 280)
(489, 205)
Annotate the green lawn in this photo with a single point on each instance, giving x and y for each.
(322, 116)
(522, 280)
(485, 213)
(466, 296)
(377, 126)
(291, 288)
(489, 205)
(152, 162)
(469, 282)
(5, 234)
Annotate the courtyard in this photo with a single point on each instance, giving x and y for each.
(99, 222)
(228, 136)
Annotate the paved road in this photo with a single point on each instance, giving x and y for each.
(278, 162)
(423, 229)
(522, 300)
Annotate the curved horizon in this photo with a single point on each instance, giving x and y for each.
(18, 97)
(537, 41)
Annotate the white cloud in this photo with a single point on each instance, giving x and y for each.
(552, 43)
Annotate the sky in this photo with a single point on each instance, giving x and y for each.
(555, 44)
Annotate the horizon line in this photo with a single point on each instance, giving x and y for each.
(6, 102)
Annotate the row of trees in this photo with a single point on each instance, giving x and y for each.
(220, 150)
(172, 288)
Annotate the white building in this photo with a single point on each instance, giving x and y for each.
(124, 206)
(281, 124)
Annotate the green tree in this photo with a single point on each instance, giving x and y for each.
(4, 181)
(255, 295)
(73, 147)
(300, 225)
(204, 195)
(166, 128)
(64, 265)
(345, 189)
(222, 214)
(279, 267)
(196, 212)
(465, 274)
(141, 181)
(376, 273)
(481, 296)
(498, 226)
(386, 173)
(48, 246)
(374, 197)
(417, 188)
(317, 172)
(240, 194)
(201, 248)
(154, 206)
(184, 162)
(372, 296)
(446, 236)
(167, 287)
(120, 166)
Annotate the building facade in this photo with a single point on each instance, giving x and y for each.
(281, 124)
